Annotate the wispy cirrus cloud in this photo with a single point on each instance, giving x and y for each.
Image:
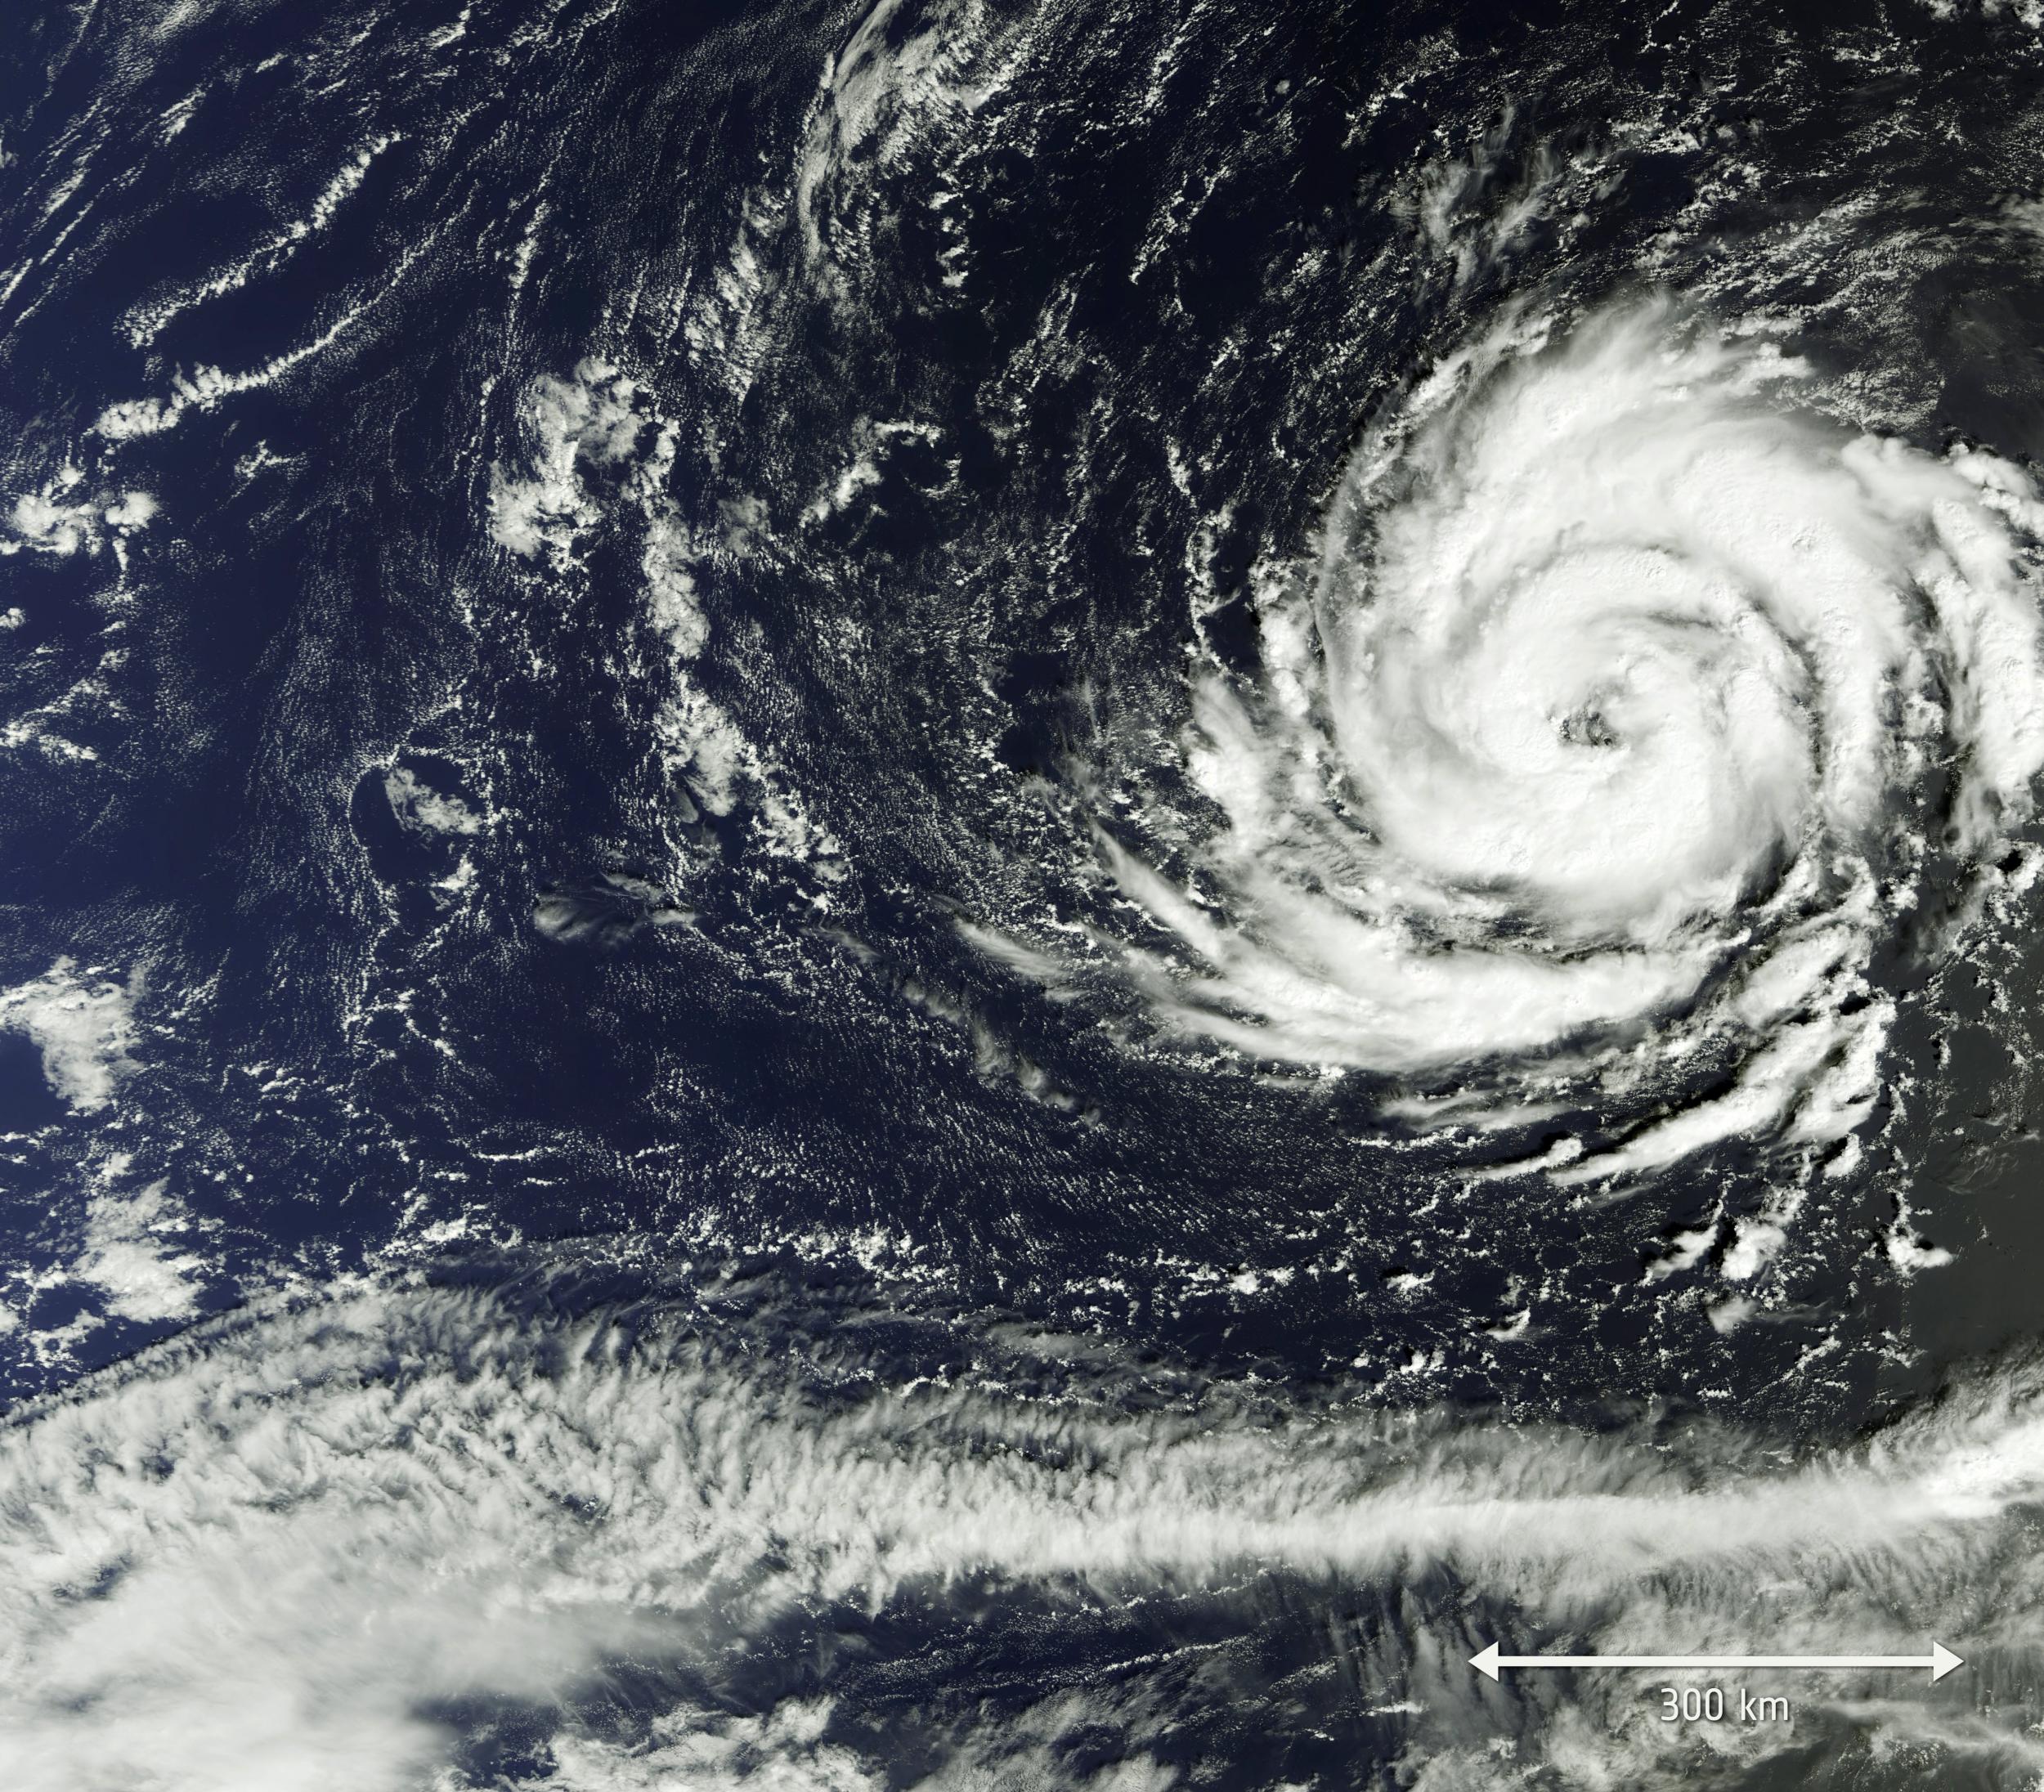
(307, 1548)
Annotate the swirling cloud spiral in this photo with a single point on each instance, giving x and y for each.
(1629, 705)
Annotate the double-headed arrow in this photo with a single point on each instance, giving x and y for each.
(1940, 1661)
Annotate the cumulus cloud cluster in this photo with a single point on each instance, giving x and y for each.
(83, 1023)
(602, 426)
(422, 809)
(64, 518)
(1605, 741)
(590, 419)
(281, 1552)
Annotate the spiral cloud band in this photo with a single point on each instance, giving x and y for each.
(1632, 699)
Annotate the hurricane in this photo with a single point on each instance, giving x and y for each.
(1629, 706)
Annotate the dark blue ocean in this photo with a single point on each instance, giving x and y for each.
(780, 998)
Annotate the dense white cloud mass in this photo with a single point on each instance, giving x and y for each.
(589, 420)
(132, 1254)
(83, 1023)
(266, 1557)
(1602, 743)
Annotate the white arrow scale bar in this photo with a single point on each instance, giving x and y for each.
(1940, 1661)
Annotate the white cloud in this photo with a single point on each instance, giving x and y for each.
(1588, 752)
(694, 1750)
(83, 1024)
(602, 418)
(591, 418)
(264, 1557)
(130, 1256)
(424, 810)
(62, 518)
(671, 589)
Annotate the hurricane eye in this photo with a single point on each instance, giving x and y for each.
(1587, 726)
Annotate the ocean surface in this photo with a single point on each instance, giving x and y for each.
(1001, 895)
